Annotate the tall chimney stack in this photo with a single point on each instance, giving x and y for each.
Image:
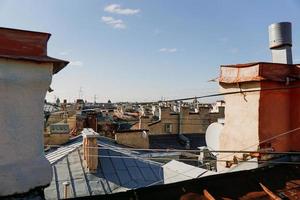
(256, 120)
(280, 42)
(25, 76)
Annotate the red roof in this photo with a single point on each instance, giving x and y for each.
(27, 45)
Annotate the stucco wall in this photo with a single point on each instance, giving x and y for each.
(280, 113)
(133, 139)
(185, 122)
(241, 121)
(23, 87)
(55, 139)
(294, 137)
(274, 112)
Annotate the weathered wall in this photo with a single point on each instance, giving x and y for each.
(274, 116)
(279, 113)
(133, 139)
(294, 137)
(23, 87)
(143, 123)
(55, 139)
(241, 121)
(185, 122)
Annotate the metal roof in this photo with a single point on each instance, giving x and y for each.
(119, 170)
(175, 171)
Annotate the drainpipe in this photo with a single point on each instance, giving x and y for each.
(180, 129)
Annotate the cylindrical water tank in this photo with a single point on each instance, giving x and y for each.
(280, 34)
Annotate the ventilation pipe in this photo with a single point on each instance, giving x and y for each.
(280, 42)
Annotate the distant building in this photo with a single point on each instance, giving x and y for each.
(57, 134)
(185, 121)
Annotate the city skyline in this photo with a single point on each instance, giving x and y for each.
(143, 50)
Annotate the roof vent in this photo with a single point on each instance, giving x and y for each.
(280, 42)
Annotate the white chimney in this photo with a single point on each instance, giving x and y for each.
(25, 75)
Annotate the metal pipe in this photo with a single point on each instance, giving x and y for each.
(280, 42)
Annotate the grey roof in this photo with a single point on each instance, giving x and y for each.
(54, 156)
(173, 141)
(119, 170)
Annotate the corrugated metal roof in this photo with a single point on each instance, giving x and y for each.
(63, 151)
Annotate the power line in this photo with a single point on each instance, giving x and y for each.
(185, 150)
(222, 94)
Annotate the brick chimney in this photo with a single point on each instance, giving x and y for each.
(90, 149)
(25, 76)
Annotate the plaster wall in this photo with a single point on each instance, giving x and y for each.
(133, 139)
(23, 87)
(241, 122)
(274, 116)
(295, 117)
(55, 139)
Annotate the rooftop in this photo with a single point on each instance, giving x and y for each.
(119, 170)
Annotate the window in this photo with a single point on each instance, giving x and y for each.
(168, 128)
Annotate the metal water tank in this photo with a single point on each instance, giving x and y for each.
(280, 34)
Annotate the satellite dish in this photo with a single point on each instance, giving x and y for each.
(144, 134)
(212, 136)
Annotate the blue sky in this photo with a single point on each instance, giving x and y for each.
(142, 50)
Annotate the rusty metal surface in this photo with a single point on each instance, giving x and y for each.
(259, 71)
(27, 46)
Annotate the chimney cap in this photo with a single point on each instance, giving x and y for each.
(280, 34)
(27, 45)
(89, 133)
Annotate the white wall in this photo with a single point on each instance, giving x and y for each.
(23, 87)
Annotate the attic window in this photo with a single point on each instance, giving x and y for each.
(168, 128)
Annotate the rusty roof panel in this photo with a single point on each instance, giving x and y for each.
(28, 46)
(258, 72)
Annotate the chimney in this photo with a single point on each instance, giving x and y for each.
(90, 149)
(164, 112)
(280, 42)
(253, 118)
(25, 76)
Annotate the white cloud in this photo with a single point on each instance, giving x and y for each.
(76, 63)
(168, 50)
(117, 9)
(115, 23)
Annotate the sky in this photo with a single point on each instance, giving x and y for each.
(146, 50)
